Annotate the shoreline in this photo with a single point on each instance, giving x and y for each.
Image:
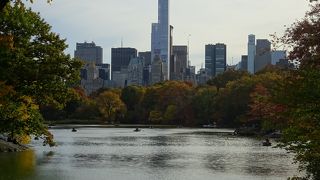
(11, 147)
(70, 126)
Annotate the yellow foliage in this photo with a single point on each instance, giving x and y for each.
(24, 139)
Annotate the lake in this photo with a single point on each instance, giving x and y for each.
(168, 154)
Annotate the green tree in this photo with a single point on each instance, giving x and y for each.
(3, 3)
(33, 63)
(204, 104)
(301, 135)
(132, 96)
(170, 114)
(38, 55)
(223, 79)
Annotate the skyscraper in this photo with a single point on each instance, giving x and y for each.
(220, 62)
(94, 74)
(209, 57)
(251, 53)
(120, 58)
(89, 53)
(244, 63)
(216, 58)
(146, 56)
(160, 38)
(263, 54)
(276, 56)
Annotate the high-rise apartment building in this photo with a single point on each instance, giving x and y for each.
(160, 38)
(220, 64)
(146, 56)
(157, 70)
(276, 56)
(209, 57)
(263, 54)
(135, 72)
(244, 63)
(120, 59)
(216, 58)
(180, 59)
(89, 53)
(94, 74)
(95, 77)
(251, 53)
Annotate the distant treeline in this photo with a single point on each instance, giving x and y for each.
(227, 101)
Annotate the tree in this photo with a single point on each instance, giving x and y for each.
(303, 38)
(45, 72)
(301, 93)
(3, 3)
(34, 65)
(222, 80)
(204, 104)
(110, 105)
(301, 135)
(176, 94)
(132, 96)
(20, 117)
(263, 111)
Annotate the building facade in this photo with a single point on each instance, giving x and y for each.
(244, 63)
(135, 72)
(216, 58)
(251, 53)
(276, 56)
(203, 76)
(263, 55)
(120, 59)
(180, 53)
(209, 58)
(157, 70)
(89, 53)
(160, 38)
(146, 56)
(94, 77)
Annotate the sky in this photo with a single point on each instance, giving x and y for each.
(106, 22)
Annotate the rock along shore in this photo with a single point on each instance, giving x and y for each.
(10, 147)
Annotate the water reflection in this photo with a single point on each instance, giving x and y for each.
(216, 163)
(151, 154)
(17, 165)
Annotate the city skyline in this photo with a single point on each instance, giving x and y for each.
(107, 22)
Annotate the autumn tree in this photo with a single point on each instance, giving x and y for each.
(301, 93)
(34, 65)
(263, 112)
(20, 117)
(176, 96)
(110, 106)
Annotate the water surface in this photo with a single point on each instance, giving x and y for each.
(186, 154)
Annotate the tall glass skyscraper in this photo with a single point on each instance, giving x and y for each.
(160, 38)
(251, 53)
(216, 58)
